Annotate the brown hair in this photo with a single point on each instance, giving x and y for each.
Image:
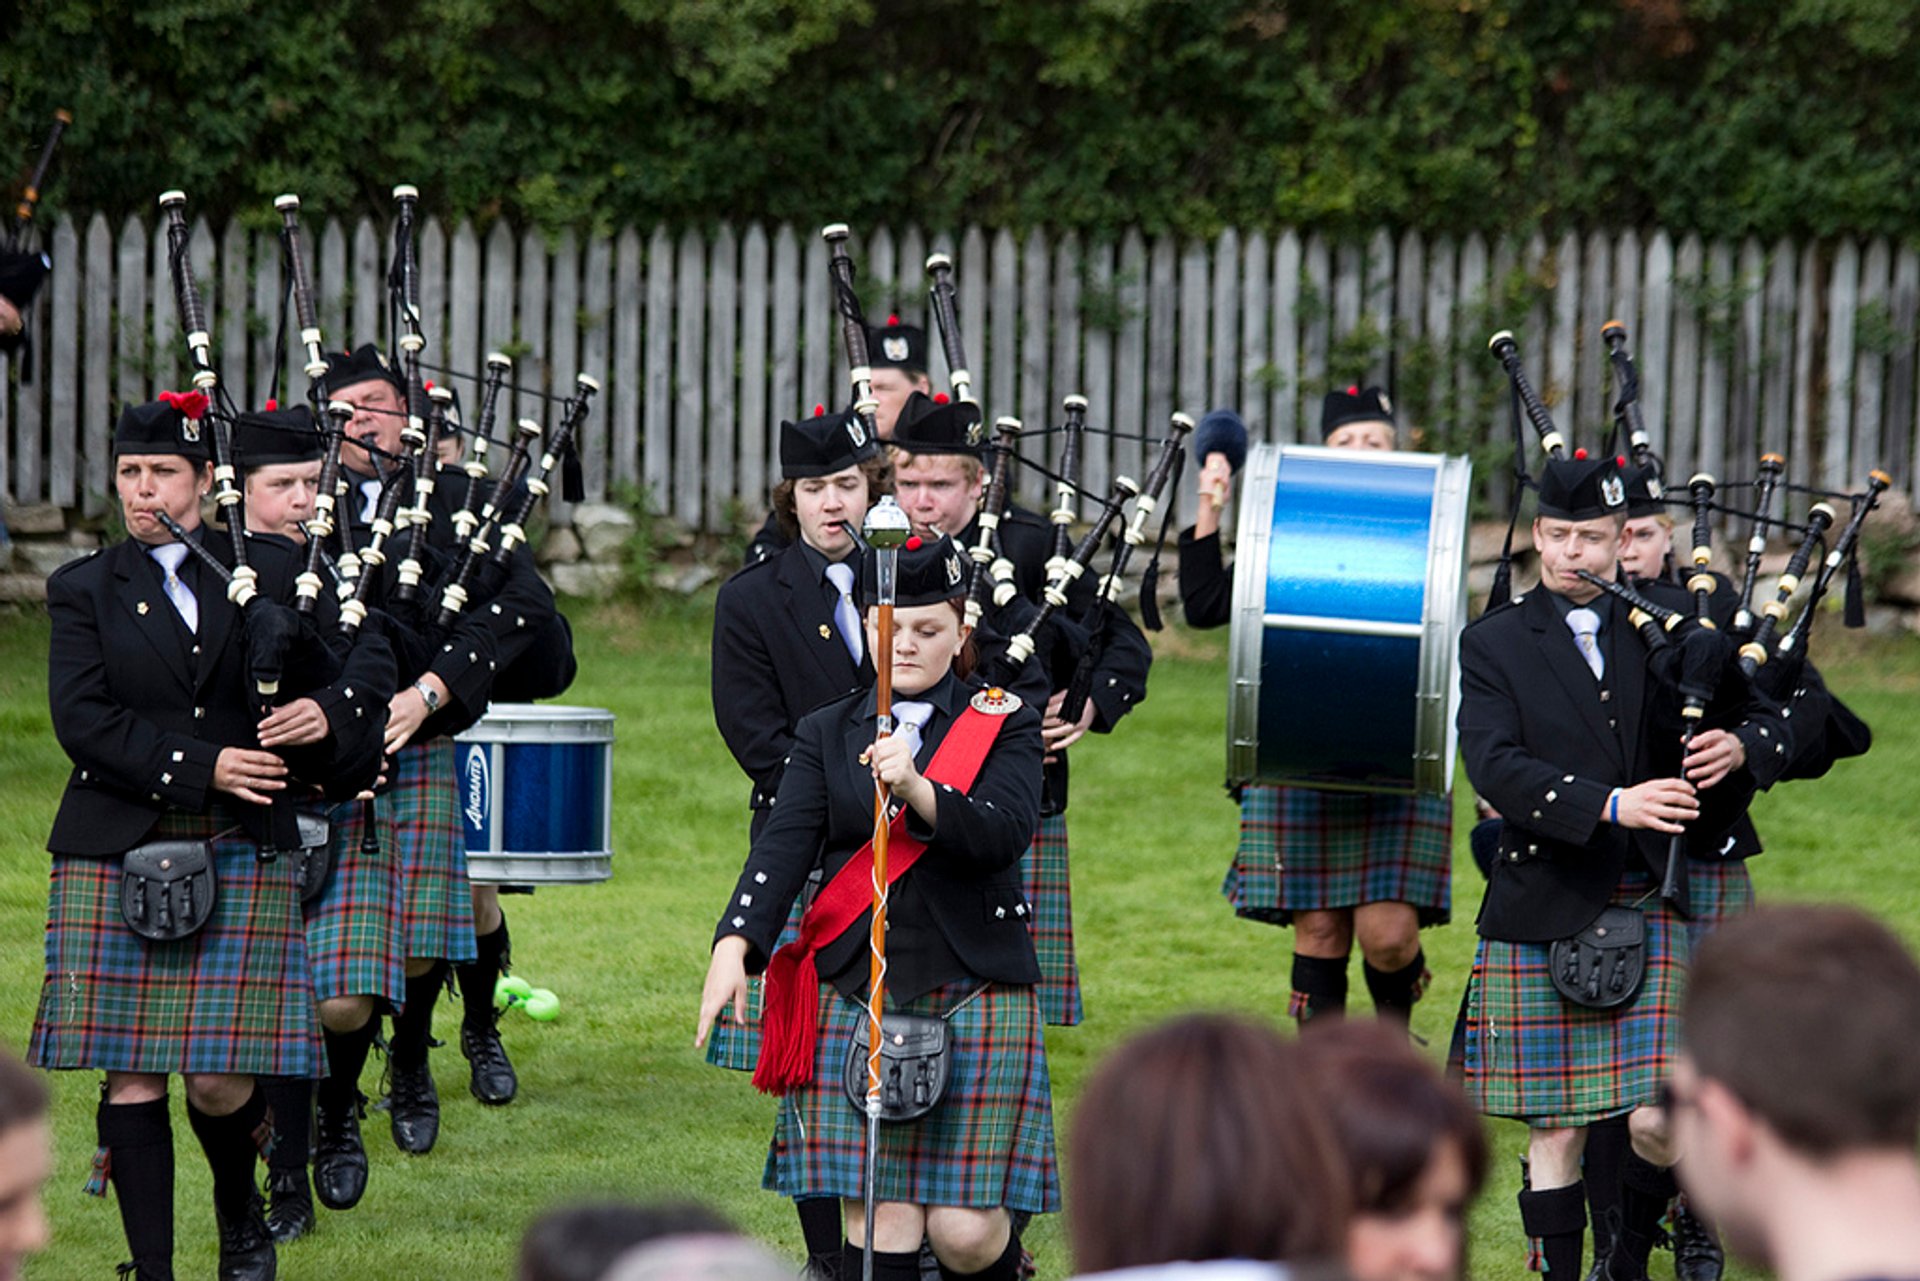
(23, 1095)
(1204, 1138)
(879, 473)
(1811, 1016)
(1392, 1112)
(970, 465)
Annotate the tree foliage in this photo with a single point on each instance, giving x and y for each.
(1790, 117)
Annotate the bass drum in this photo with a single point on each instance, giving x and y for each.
(1349, 592)
(536, 795)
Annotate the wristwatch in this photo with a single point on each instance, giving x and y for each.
(427, 696)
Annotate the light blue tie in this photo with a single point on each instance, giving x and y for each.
(1585, 626)
(846, 615)
(170, 558)
(909, 718)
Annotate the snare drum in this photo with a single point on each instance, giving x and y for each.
(1349, 592)
(536, 795)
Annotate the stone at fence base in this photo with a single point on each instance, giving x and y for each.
(22, 588)
(685, 581)
(44, 558)
(585, 579)
(602, 528)
(560, 547)
(36, 518)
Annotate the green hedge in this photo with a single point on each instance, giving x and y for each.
(1723, 116)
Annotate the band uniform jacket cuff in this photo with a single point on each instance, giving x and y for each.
(182, 776)
(1769, 750)
(1568, 808)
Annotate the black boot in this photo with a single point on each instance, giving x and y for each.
(1319, 988)
(412, 1101)
(492, 1078)
(1004, 1268)
(1395, 991)
(232, 1144)
(340, 1157)
(1557, 1220)
(289, 1200)
(1608, 1143)
(1645, 1190)
(821, 1227)
(136, 1145)
(1697, 1255)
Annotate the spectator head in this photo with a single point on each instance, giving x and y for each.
(582, 1242)
(1204, 1138)
(26, 1161)
(700, 1257)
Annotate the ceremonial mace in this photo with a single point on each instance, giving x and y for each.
(887, 528)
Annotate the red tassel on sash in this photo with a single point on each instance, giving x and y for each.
(790, 1010)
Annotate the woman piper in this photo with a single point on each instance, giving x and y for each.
(1336, 867)
(964, 768)
(174, 940)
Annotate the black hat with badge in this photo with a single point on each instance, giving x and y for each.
(824, 444)
(361, 365)
(266, 437)
(173, 424)
(1645, 487)
(935, 425)
(930, 570)
(1582, 488)
(897, 346)
(1354, 405)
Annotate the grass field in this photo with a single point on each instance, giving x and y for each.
(614, 1099)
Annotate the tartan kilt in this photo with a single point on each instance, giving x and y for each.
(736, 1045)
(354, 927)
(1305, 850)
(1718, 890)
(988, 1143)
(423, 807)
(1046, 880)
(236, 997)
(1533, 1055)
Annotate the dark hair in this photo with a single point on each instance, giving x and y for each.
(877, 469)
(1811, 1016)
(23, 1095)
(581, 1242)
(1392, 1111)
(1204, 1138)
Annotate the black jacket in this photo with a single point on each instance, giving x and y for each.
(1545, 744)
(966, 885)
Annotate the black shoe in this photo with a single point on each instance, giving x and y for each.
(493, 1081)
(289, 1205)
(1697, 1255)
(246, 1247)
(144, 1271)
(339, 1156)
(414, 1106)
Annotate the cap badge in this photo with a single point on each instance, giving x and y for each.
(895, 348)
(1386, 406)
(954, 571)
(1612, 492)
(857, 431)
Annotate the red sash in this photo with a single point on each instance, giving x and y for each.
(789, 1025)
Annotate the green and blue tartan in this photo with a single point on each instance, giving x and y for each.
(1047, 882)
(736, 1045)
(235, 997)
(1533, 1055)
(423, 808)
(1717, 890)
(989, 1141)
(354, 927)
(1303, 850)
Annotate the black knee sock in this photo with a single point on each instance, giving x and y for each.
(232, 1144)
(138, 1139)
(346, 1058)
(1004, 1268)
(413, 1025)
(291, 1099)
(821, 1226)
(479, 977)
(1645, 1190)
(888, 1265)
(1607, 1146)
(1395, 991)
(1319, 987)
(1557, 1219)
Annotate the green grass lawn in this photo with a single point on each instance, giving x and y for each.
(615, 1102)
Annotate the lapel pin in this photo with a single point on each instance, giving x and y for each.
(826, 633)
(141, 608)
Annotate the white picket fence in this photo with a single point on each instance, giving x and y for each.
(704, 338)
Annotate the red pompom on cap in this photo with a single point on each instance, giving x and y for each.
(191, 403)
(271, 405)
(940, 398)
(893, 322)
(819, 411)
(427, 385)
(913, 542)
(1353, 390)
(1580, 455)
(1619, 460)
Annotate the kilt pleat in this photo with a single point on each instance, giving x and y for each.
(1531, 1054)
(988, 1143)
(354, 929)
(734, 1044)
(236, 997)
(423, 807)
(1305, 850)
(1047, 882)
(1717, 890)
